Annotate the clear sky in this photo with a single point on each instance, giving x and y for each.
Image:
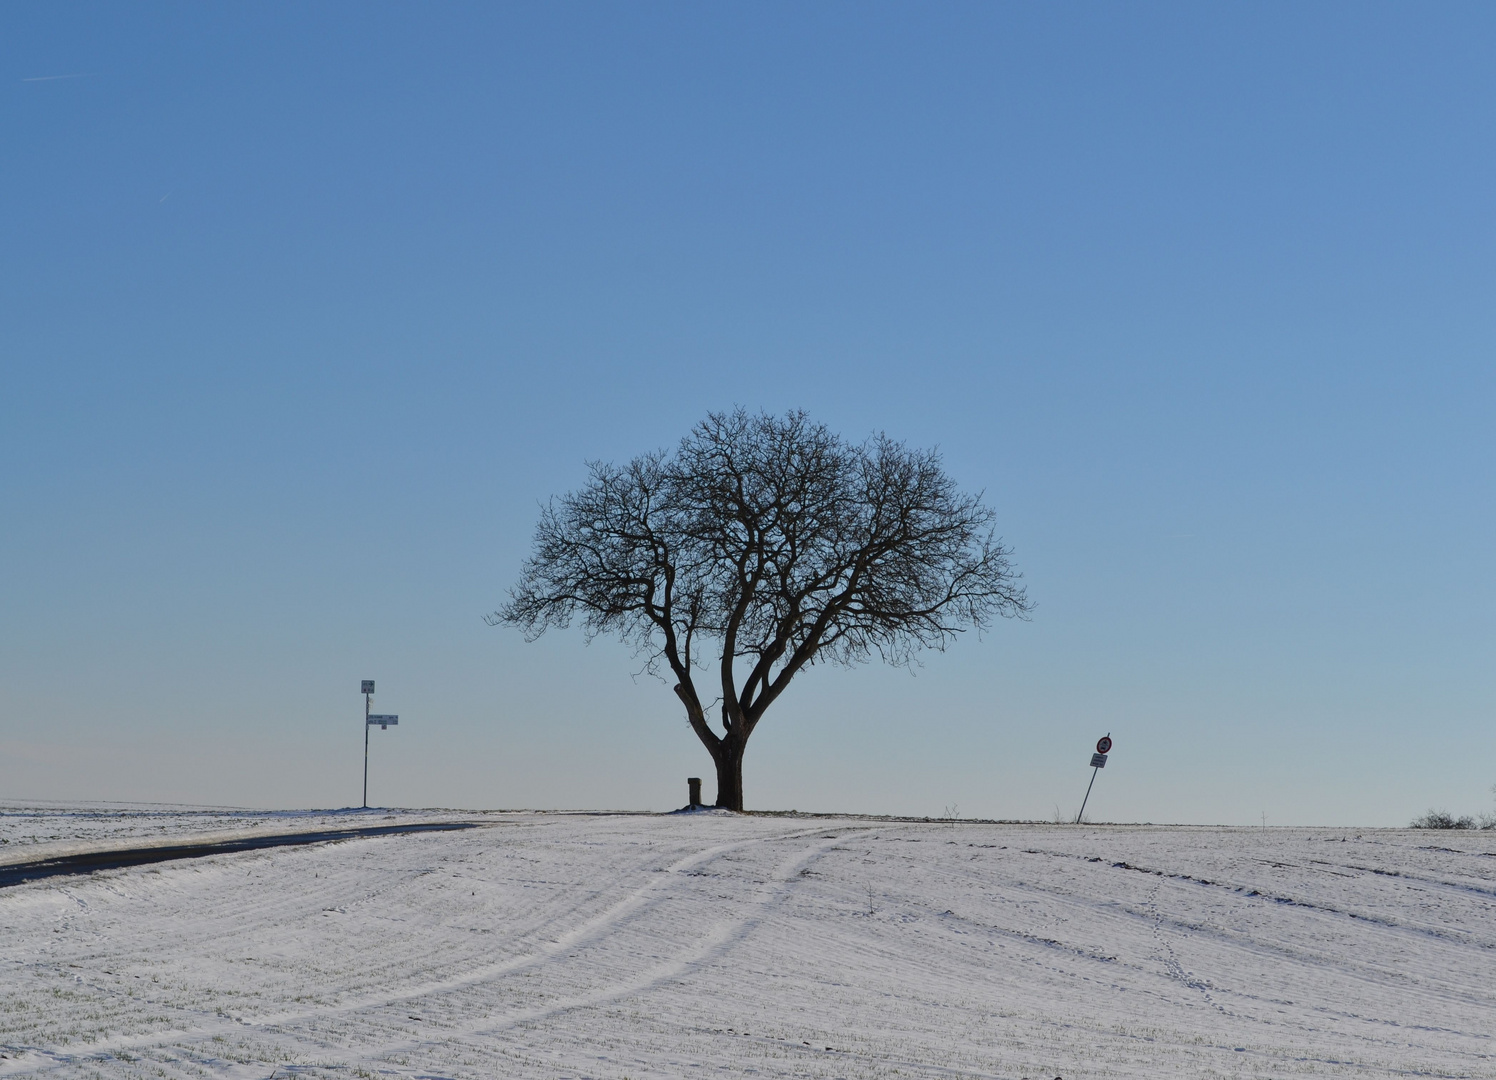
(305, 308)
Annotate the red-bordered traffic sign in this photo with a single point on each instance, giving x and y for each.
(1104, 745)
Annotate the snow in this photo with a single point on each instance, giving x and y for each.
(576, 945)
(29, 831)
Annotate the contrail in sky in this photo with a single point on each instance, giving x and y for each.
(50, 78)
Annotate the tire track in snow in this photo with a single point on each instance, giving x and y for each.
(1408, 984)
(716, 943)
(1262, 894)
(34, 1059)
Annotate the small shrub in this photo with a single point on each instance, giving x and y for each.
(1443, 819)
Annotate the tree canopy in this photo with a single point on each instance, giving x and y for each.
(759, 546)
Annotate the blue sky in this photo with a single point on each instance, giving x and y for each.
(304, 309)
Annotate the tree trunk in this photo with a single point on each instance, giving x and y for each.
(730, 775)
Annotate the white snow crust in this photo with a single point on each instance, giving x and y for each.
(611, 946)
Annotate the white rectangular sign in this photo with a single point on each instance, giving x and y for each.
(383, 719)
(1098, 761)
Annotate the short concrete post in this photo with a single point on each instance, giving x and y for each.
(694, 783)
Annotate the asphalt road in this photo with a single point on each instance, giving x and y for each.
(89, 862)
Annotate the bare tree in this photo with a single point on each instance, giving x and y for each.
(760, 546)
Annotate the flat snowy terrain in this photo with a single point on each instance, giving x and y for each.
(569, 945)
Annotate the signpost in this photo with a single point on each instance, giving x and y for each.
(1098, 762)
(384, 720)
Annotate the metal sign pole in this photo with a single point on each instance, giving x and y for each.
(367, 689)
(385, 722)
(366, 751)
(1083, 802)
(1098, 760)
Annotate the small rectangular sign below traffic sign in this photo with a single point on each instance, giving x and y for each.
(1098, 761)
(384, 719)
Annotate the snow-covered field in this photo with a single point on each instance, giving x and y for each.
(569, 945)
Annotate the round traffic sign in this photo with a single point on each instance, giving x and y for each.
(1104, 744)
